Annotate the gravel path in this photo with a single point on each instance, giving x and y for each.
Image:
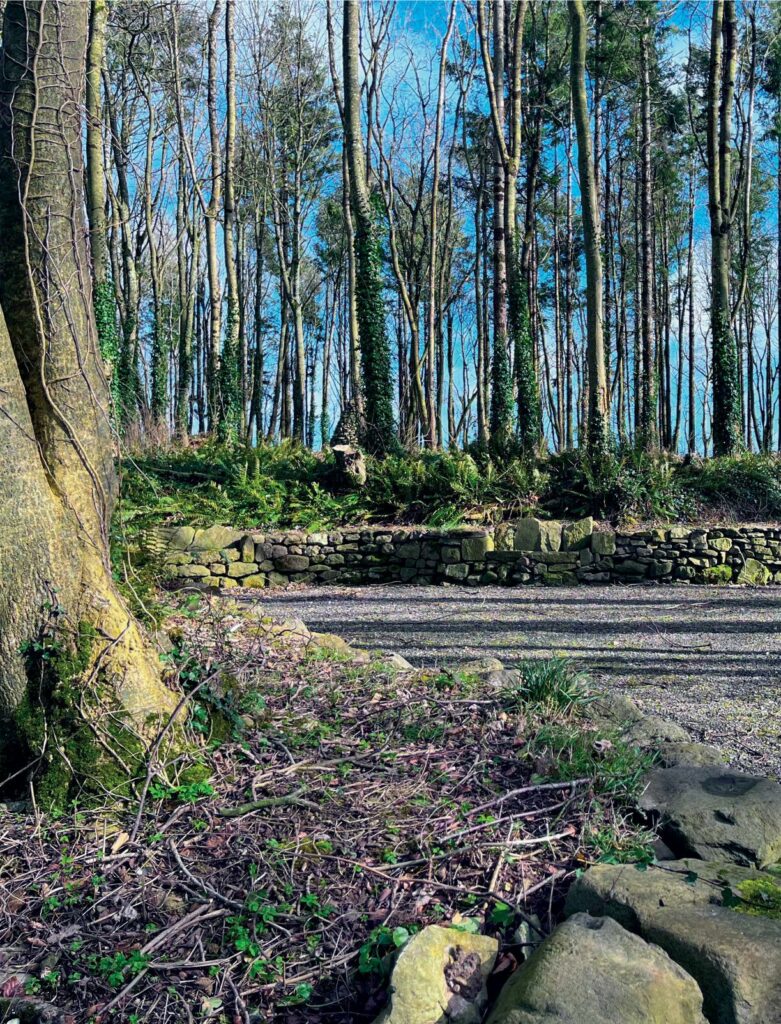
(710, 658)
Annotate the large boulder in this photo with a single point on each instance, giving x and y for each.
(633, 896)
(593, 971)
(716, 814)
(440, 977)
(651, 731)
(736, 959)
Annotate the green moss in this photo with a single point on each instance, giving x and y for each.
(759, 897)
(718, 574)
(51, 728)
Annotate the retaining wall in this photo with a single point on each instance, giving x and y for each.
(526, 551)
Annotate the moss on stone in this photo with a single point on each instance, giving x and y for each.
(718, 574)
(760, 898)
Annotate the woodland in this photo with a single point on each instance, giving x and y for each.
(517, 255)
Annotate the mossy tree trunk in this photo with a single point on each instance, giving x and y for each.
(380, 430)
(57, 478)
(721, 92)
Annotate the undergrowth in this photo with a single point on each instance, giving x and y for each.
(286, 486)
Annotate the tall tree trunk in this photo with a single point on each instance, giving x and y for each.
(229, 408)
(57, 479)
(212, 215)
(380, 429)
(597, 425)
(721, 89)
(103, 298)
(647, 430)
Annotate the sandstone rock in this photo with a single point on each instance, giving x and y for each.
(713, 813)
(440, 977)
(504, 537)
(603, 542)
(238, 569)
(192, 571)
(256, 580)
(592, 971)
(699, 754)
(181, 538)
(615, 708)
(247, 549)
(474, 549)
(395, 661)
(215, 537)
(735, 958)
(537, 535)
(457, 572)
(291, 563)
(178, 558)
(651, 730)
(575, 536)
(633, 897)
(754, 573)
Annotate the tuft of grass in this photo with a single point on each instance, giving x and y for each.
(551, 682)
(567, 752)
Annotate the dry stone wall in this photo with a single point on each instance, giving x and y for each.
(527, 551)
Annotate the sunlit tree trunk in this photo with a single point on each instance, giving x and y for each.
(721, 89)
(57, 479)
(597, 425)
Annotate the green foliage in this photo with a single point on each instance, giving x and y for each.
(373, 955)
(615, 768)
(50, 724)
(287, 485)
(552, 682)
(743, 485)
(105, 304)
(626, 483)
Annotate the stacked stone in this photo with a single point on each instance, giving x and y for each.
(527, 551)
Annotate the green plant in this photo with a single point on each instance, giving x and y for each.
(373, 953)
(615, 768)
(552, 682)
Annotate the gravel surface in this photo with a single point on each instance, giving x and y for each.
(706, 657)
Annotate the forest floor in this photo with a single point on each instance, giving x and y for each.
(339, 804)
(709, 658)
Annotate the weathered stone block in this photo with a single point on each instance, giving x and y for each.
(457, 572)
(533, 534)
(575, 536)
(181, 538)
(238, 569)
(474, 549)
(603, 542)
(291, 563)
(192, 571)
(215, 537)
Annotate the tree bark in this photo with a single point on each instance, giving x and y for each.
(57, 479)
(380, 429)
(597, 426)
(721, 89)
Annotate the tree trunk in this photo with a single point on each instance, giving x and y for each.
(57, 479)
(721, 89)
(229, 410)
(597, 426)
(380, 429)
